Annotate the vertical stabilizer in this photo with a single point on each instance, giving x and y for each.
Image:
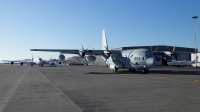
(196, 60)
(104, 41)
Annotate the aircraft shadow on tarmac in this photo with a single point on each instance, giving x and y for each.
(152, 72)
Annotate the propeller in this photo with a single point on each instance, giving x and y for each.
(153, 50)
(82, 52)
(108, 52)
(157, 58)
(172, 53)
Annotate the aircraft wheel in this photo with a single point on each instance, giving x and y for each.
(131, 70)
(145, 71)
(115, 69)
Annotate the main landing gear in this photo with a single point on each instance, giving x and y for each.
(145, 71)
(131, 70)
(115, 69)
(40, 64)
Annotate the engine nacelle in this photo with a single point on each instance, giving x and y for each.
(62, 57)
(90, 58)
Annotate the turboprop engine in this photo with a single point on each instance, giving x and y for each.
(11, 62)
(82, 52)
(90, 58)
(62, 57)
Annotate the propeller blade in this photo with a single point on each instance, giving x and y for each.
(106, 47)
(173, 49)
(151, 48)
(88, 47)
(156, 49)
(82, 47)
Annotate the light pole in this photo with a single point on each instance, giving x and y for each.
(195, 34)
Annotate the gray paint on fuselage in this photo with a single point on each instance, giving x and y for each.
(131, 59)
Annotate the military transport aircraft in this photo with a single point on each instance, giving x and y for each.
(136, 59)
(182, 63)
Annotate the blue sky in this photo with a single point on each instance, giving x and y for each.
(66, 24)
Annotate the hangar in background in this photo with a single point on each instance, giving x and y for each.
(184, 53)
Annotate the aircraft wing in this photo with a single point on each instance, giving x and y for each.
(12, 61)
(75, 51)
(159, 53)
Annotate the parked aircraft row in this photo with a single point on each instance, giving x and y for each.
(35, 61)
(139, 59)
(136, 59)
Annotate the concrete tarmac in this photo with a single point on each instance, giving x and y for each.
(94, 89)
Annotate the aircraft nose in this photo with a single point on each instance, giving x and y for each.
(151, 61)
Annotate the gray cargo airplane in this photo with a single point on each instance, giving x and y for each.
(136, 59)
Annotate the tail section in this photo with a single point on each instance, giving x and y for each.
(104, 41)
(196, 60)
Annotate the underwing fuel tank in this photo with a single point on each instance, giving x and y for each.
(90, 58)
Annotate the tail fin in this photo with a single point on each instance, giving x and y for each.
(196, 60)
(104, 41)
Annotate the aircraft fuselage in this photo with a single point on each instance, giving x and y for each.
(137, 59)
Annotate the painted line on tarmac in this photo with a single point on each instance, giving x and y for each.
(7, 97)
